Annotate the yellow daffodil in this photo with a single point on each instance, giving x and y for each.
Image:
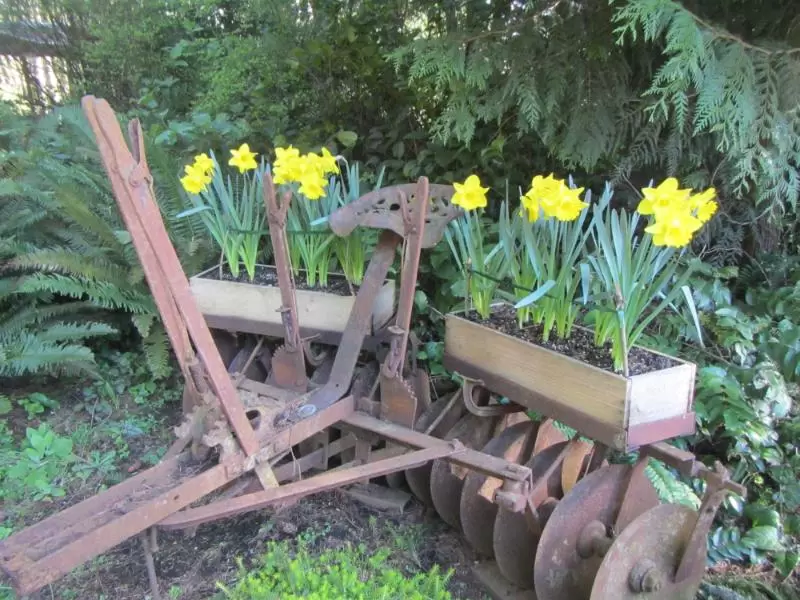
(243, 158)
(569, 206)
(470, 195)
(326, 161)
(312, 185)
(554, 197)
(706, 211)
(674, 226)
(531, 206)
(204, 163)
(289, 165)
(195, 180)
(662, 197)
(704, 204)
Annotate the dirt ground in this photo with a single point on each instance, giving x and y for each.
(193, 565)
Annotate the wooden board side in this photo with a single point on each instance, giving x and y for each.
(661, 394)
(316, 310)
(584, 388)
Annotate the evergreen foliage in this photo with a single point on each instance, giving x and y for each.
(69, 270)
(628, 86)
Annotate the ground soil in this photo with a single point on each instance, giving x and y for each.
(580, 344)
(417, 539)
(265, 275)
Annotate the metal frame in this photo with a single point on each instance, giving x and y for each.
(248, 438)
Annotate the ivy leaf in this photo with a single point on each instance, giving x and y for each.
(347, 138)
(764, 537)
(786, 562)
(5, 405)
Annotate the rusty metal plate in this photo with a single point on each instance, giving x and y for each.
(575, 464)
(642, 560)
(398, 400)
(478, 511)
(564, 569)
(446, 485)
(548, 435)
(419, 479)
(514, 542)
(384, 208)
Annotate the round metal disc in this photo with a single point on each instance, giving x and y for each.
(419, 479)
(514, 543)
(651, 544)
(548, 435)
(446, 481)
(560, 573)
(478, 511)
(574, 464)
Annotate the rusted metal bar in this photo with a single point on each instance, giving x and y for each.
(357, 325)
(40, 555)
(696, 548)
(134, 184)
(414, 221)
(148, 549)
(320, 483)
(470, 459)
(117, 160)
(685, 462)
(288, 362)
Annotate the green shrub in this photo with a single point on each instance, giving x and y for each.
(345, 573)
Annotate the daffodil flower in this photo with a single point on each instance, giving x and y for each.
(195, 180)
(531, 205)
(289, 166)
(204, 163)
(470, 195)
(243, 158)
(674, 227)
(312, 186)
(662, 197)
(704, 204)
(555, 199)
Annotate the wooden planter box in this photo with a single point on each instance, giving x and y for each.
(622, 413)
(254, 308)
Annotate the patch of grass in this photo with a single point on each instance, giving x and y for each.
(348, 572)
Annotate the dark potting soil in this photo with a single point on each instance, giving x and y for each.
(580, 344)
(265, 275)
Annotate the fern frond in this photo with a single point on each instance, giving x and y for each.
(157, 352)
(26, 354)
(70, 332)
(101, 294)
(669, 487)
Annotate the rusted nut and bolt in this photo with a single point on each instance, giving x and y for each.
(510, 501)
(645, 577)
(594, 540)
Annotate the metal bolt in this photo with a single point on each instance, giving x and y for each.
(593, 540)
(645, 576)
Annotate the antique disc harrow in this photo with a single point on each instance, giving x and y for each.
(550, 512)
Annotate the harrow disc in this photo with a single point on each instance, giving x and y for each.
(477, 510)
(419, 479)
(446, 481)
(514, 542)
(573, 542)
(642, 560)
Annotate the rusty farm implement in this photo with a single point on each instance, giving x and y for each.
(547, 512)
